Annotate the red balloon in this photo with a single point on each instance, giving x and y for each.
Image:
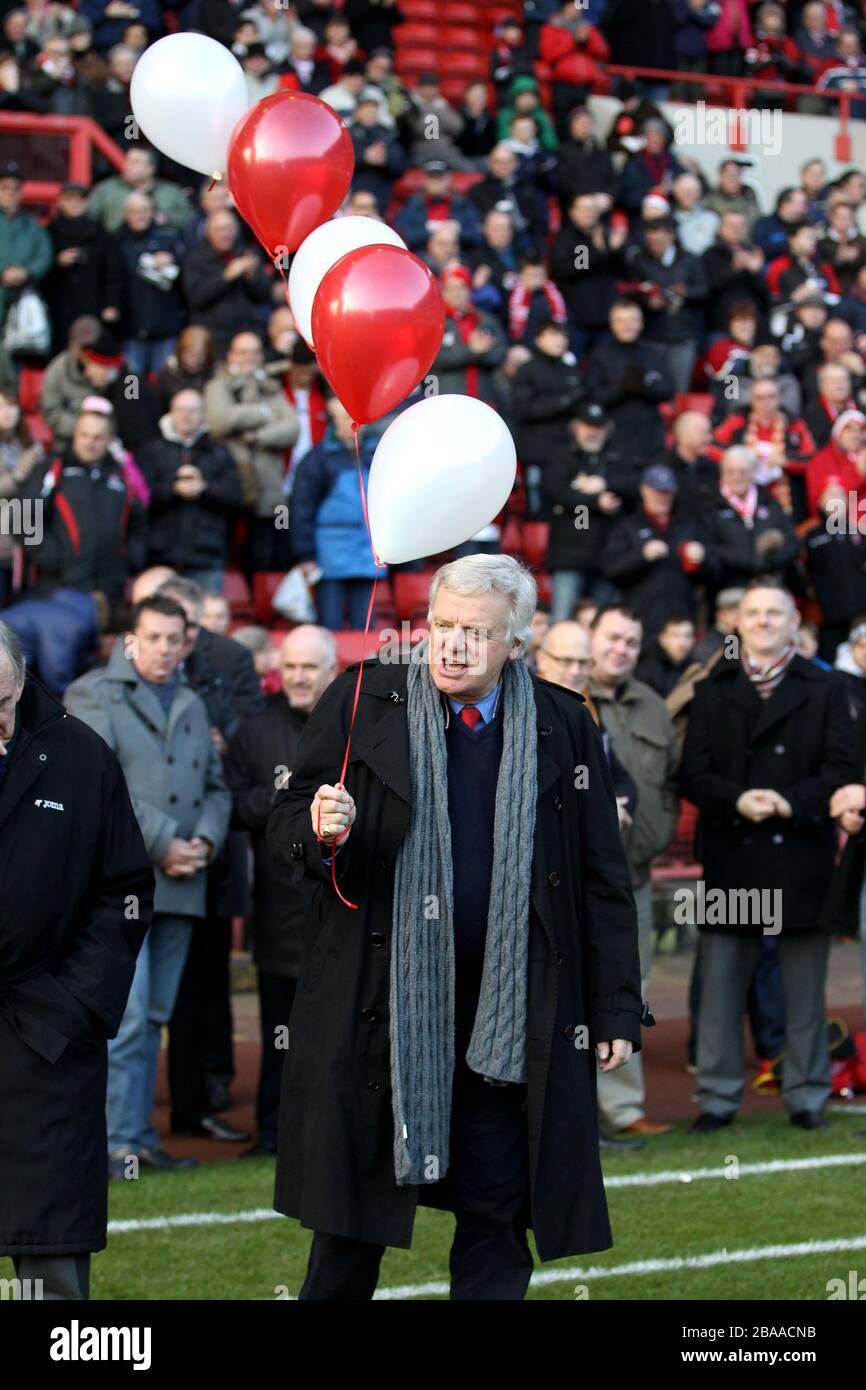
(290, 165)
(378, 319)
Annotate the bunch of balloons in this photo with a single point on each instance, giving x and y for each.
(371, 310)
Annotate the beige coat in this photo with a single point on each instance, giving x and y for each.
(643, 737)
(252, 416)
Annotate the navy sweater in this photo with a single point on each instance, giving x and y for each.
(473, 771)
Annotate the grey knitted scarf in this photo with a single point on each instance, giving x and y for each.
(422, 955)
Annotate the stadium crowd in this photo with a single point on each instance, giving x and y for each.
(684, 373)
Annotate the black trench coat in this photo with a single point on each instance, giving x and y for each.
(802, 743)
(335, 1159)
(67, 958)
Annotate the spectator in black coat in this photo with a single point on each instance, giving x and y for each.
(15, 94)
(150, 301)
(195, 494)
(111, 100)
(583, 165)
(835, 559)
(261, 756)
(379, 157)
(696, 473)
(190, 366)
(669, 656)
(834, 397)
(673, 288)
(629, 376)
(53, 80)
(734, 270)
(225, 283)
(502, 188)
(660, 555)
(93, 524)
(77, 282)
(435, 204)
(586, 487)
(585, 262)
(652, 167)
(544, 396)
(754, 537)
(496, 261)
(479, 123)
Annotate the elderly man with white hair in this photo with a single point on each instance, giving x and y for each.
(471, 952)
(754, 537)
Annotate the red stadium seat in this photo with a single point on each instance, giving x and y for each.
(460, 36)
(30, 389)
(498, 13)
(542, 580)
(451, 13)
(237, 592)
(355, 646)
(693, 400)
(419, 9)
(411, 594)
(418, 60)
(415, 34)
(40, 429)
(467, 65)
(265, 585)
(535, 538)
(511, 540)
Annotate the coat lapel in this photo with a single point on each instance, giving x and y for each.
(784, 700)
(24, 770)
(384, 746)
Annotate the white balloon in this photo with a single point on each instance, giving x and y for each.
(188, 93)
(443, 469)
(322, 249)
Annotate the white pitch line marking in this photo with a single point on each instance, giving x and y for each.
(670, 1175)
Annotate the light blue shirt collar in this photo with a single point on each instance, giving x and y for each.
(486, 706)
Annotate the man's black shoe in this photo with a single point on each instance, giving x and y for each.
(210, 1127)
(708, 1124)
(809, 1119)
(158, 1158)
(611, 1141)
(260, 1149)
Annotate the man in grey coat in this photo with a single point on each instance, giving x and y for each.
(146, 711)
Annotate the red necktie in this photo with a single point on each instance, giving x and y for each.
(471, 715)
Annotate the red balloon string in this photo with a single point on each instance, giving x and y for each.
(379, 565)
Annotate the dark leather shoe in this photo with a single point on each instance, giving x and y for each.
(261, 1149)
(615, 1141)
(158, 1158)
(708, 1124)
(809, 1119)
(210, 1127)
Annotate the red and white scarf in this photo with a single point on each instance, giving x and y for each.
(743, 506)
(520, 302)
(766, 678)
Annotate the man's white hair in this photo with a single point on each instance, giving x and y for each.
(484, 574)
(10, 647)
(739, 453)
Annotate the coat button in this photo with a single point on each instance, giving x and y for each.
(778, 839)
(195, 762)
(569, 1032)
(779, 748)
(373, 1085)
(553, 879)
(368, 1015)
(197, 802)
(172, 799)
(377, 938)
(557, 803)
(558, 958)
(170, 759)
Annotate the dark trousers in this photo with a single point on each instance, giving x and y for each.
(200, 1036)
(276, 996)
(343, 603)
(268, 550)
(765, 1005)
(63, 1277)
(488, 1178)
